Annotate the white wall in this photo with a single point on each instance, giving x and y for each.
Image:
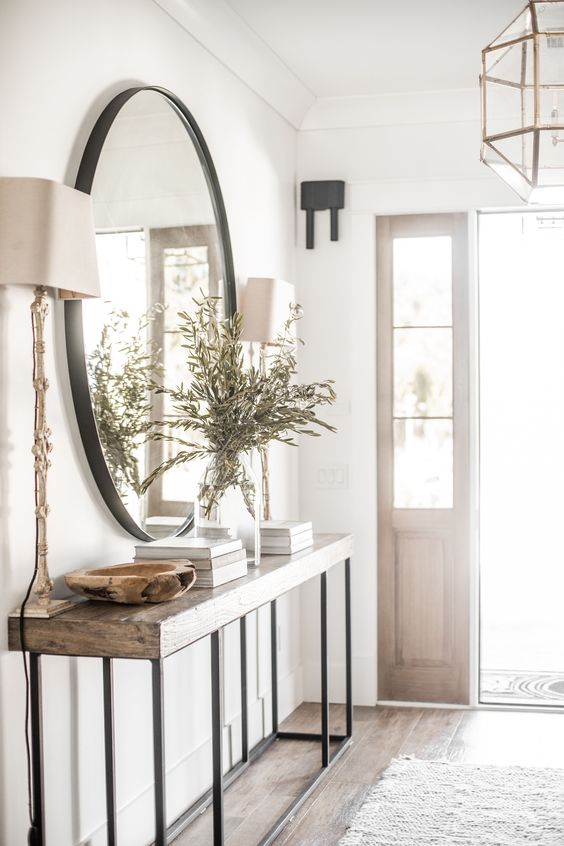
(60, 63)
(398, 154)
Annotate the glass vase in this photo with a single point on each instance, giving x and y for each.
(211, 490)
(251, 490)
(207, 505)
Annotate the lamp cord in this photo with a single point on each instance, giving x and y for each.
(33, 832)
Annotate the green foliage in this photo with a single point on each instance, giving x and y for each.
(235, 408)
(121, 370)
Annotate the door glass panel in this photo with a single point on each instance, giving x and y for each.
(422, 281)
(423, 462)
(423, 372)
(186, 275)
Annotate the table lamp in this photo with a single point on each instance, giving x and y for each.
(47, 240)
(266, 308)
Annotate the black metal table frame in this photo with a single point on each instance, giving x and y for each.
(214, 795)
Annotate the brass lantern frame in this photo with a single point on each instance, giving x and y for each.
(526, 129)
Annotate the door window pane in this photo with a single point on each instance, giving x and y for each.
(423, 463)
(186, 275)
(422, 372)
(422, 281)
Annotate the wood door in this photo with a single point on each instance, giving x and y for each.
(184, 264)
(423, 473)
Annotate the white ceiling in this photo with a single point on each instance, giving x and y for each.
(363, 47)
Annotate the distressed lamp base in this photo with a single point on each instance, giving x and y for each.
(45, 610)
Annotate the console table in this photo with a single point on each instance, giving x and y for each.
(153, 632)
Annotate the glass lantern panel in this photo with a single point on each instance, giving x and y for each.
(519, 151)
(423, 372)
(551, 163)
(507, 108)
(519, 27)
(511, 64)
(550, 16)
(509, 174)
(551, 80)
(422, 281)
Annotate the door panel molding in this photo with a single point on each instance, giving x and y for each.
(423, 565)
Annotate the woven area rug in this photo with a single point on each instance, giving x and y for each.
(419, 803)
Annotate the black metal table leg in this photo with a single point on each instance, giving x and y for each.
(324, 676)
(348, 647)
(109, 749)
(274, 663)
(244, 704)
(37, 747)
(159, 752)
(217, 736)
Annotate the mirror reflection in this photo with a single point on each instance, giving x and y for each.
(158, 248)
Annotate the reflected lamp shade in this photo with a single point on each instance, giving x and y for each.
(47, 237)
(522, 85)
(266, 308)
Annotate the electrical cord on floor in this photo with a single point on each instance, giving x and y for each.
(33, 832)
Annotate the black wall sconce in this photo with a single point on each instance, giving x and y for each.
(319, 196)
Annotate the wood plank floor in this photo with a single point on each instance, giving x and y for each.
(262, 793)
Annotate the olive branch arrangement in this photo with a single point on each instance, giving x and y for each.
(121, 369)
(235, 408)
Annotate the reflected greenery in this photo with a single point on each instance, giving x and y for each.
(121, 369)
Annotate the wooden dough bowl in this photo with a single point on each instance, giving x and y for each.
(134, 584)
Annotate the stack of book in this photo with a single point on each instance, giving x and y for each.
(217, 560)
(283, 537)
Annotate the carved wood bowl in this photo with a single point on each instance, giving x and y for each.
(134, 584)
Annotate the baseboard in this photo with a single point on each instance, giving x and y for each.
(386, 703)
(363, 678)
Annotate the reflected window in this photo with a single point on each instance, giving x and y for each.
(147, 277)
(184, 266)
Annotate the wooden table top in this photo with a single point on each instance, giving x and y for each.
(105, 629)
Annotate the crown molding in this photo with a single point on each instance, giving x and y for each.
(404, 108)
(224, 34)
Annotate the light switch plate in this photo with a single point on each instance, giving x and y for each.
(333, 477)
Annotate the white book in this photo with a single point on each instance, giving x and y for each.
(286, 542)
(195, 549)
(204, 563)
(272, 528)
(214, 578)
(277, 550)
(220, 560)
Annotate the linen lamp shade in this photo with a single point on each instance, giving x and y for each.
(47, 240)
(47, 237)
(266, 307)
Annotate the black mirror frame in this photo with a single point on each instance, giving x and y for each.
(73, 308)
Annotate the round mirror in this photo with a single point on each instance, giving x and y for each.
(162, 242)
